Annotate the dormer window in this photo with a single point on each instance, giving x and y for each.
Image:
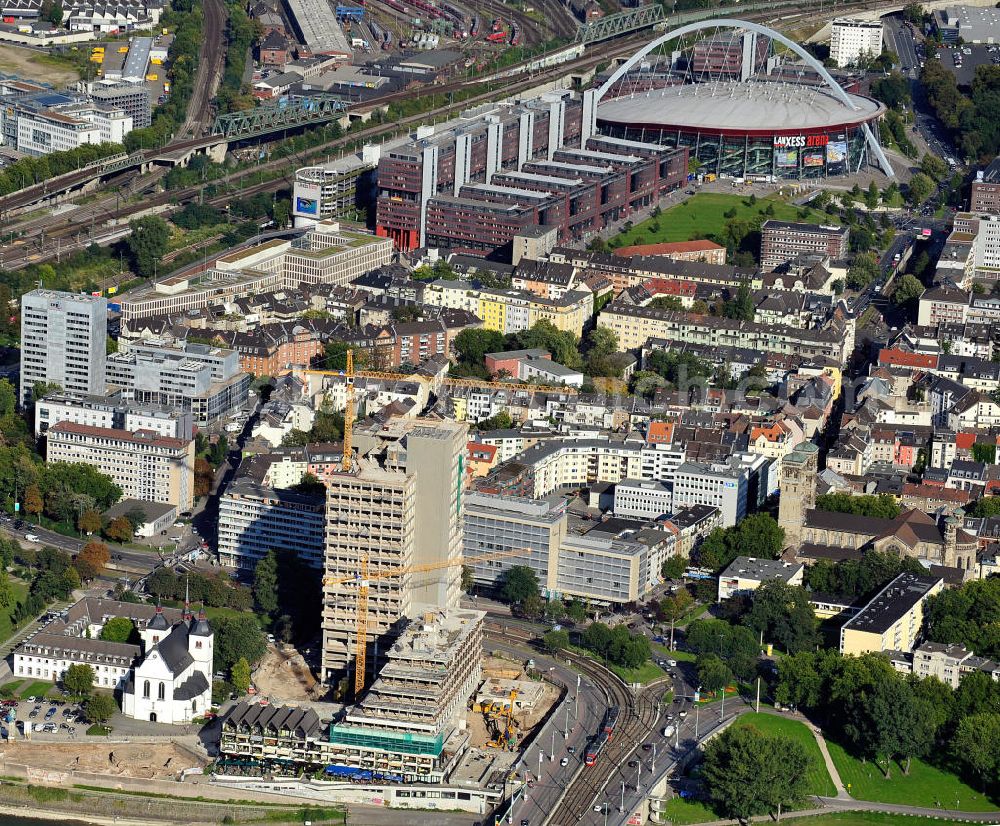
(197, 644)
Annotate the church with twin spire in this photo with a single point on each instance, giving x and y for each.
(172, 681)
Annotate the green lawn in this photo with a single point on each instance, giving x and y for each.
(646, 673)
(9, 689)
(924, 786)
(667, 654)
(702, 215)
(818, 780)
(39, 688)
(18, 590)
(864, 819)
(682, 812)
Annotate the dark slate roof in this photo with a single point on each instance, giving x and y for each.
(174, 649)
(849, 522)
(200, 626)
(193, 686)
(159, 621)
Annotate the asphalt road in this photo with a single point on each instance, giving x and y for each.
(541, 761)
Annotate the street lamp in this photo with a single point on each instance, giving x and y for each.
(552, 752)
(622, 809)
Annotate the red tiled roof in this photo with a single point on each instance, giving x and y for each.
(965, 441)
(660, 433)
(904, 358)
(139, 437)
(672, 247)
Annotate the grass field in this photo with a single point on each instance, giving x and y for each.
(924, 786)
(864, 819)
(702, 216)
(29, 64)
(818, 778)
(18, 590)
(39, 688)
(646, 673)
(682, 812)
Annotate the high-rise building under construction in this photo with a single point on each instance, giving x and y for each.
(399, 510)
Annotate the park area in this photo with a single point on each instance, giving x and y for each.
(704, 215)
(925, 785)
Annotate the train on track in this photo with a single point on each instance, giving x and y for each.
(600, 740)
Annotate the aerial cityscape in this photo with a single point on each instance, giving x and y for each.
(537, 412)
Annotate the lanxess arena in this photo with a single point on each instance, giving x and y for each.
(743, 110)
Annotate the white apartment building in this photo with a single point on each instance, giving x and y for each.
(63, 341)
(719, 485)
(146, 466)
(254, 520)
(643, 499)
(986, 249)
(852, 39)
(111, 411)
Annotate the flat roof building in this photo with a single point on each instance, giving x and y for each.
(746, 574)
(893, 618)
(63, 341)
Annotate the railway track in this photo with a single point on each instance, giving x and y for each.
(42, 229)
(638, 717)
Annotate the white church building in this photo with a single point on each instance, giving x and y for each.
(164, 676)
(172, 683)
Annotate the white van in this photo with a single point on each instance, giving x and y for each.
(31, 537)
(669, 731)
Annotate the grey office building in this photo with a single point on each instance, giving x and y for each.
(206, 380)
(133, 98)
(63, 341)
(494, 524)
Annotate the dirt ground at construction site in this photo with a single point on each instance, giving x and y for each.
(146, 761)
(284, 676)
(525, 719)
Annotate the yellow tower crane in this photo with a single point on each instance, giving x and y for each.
(363, 578)
(348, 411)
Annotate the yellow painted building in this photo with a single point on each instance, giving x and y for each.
(892, 620)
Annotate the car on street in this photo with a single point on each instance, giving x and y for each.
(50, 713)
(682, 714)
(647, 746)
(632, 764)
(564, 761)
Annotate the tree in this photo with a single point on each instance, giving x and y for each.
(237, 637)
(672, 608)
(576, 610)
(986, 506)
(863, 270)
(883, 506)
(94, 554)
(799, 682)
(872, 196)
(713, 673)
(760, 536)
(118, 629)
(100, 708)
(265, 584)
(147, 243)
(546, 336)
(472, 344)
(974, 746)
(119, 529)
(239, 676)
(907, 291)
(741, 306)
(555, 641)
(78, 680)
(33, 503)
(933, 167)
(519, 583)
(468, 578)
(204, 477)
(969, 614)
(6, 592)
(783, 613)
(920, 188)
(674, 567)
(89, 522)
(749, 773)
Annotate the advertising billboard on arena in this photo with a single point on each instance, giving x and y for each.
(813, 159)
(836, 152)
(786, 157)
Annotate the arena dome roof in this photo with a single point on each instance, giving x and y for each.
(734, 106)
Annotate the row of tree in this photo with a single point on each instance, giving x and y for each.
(882, 715)
(215, 590)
